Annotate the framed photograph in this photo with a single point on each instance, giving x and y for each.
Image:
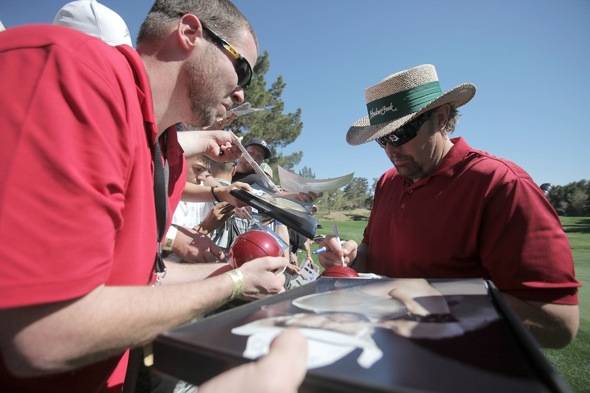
(385, 335)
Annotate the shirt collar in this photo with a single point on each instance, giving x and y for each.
(144, 92)
(457, 153)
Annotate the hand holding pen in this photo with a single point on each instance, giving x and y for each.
(333, 251)
(323, 249)
(336, 235)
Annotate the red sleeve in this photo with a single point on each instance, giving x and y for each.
(523, 246)
(63, 164)
(177, 172)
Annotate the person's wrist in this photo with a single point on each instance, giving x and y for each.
(214, 193)
(237, 278)
(168, 241)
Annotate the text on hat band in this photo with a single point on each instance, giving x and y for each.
(395, 106)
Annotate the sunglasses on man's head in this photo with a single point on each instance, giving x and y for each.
(241, 65)
(404, 134)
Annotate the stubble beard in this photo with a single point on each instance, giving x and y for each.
(409, 169)
(202, 87)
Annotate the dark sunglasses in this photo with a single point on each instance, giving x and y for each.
(404, 134)
(241, 65)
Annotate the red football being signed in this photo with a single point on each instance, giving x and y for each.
(340, 271)
(254, 244)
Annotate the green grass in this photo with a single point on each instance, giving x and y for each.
(352, 230)
(573, 362)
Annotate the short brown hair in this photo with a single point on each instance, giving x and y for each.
(453, 113)
(452, 120)
(222, 16)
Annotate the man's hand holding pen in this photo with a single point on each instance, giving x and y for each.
(336, 252)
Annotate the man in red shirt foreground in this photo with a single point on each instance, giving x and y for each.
(78, 241)
(448, 210)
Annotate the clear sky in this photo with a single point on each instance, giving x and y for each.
(529, 58)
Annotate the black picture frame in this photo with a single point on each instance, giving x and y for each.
(299, 220)
(498, 357)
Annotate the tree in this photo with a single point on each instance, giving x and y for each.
(573, 199)
(333, 200)
(307, 172)
(356, 192)
(371, 197)
(278, 129)
(578, 200)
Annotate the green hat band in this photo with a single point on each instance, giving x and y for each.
(395, 106)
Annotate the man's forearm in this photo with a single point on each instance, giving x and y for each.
(59, 337)
(197, 193)
(177, 273)
(553, 325)
(203, 193)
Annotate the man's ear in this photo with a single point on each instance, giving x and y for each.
(189, 32)
(441, 115)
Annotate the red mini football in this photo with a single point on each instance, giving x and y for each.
(254, 244)
(340, 271)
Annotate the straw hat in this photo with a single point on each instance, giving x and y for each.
(401, 97)
(95, 19)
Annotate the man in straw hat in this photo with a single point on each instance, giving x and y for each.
(446, 209)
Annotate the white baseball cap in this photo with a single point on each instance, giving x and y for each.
(95, 19)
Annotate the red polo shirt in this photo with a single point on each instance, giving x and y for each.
(476, 216)
(76, 183)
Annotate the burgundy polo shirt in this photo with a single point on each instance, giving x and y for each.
(477, 215)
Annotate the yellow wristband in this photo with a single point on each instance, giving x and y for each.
(237, 278)
(169, 239)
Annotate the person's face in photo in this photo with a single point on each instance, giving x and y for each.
(341, 322)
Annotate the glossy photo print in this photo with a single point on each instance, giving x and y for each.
(338, 321)
(372, 335)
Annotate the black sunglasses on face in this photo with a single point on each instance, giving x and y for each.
(404, 134)
(241, 65)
